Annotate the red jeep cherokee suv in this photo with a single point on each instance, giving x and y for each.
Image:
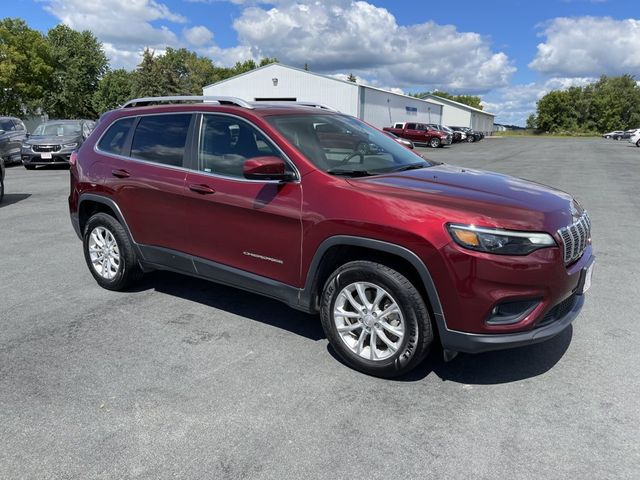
(394, 251)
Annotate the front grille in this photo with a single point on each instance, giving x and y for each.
(46, 148)
(559, 311)
(575, 238)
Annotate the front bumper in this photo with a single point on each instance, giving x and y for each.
(457, 341)
(35, 158)
(478, 343)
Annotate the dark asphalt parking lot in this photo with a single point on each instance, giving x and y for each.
(181, 378)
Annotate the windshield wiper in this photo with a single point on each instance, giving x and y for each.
(411, 166)
(350, 173)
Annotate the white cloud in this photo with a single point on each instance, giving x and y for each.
(332, 36)
(342, 35)
(124, 26)
(198, 36)
(588, 46)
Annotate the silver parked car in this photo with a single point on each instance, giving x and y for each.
(53, 142)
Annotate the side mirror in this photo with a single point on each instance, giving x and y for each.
(27, 135)
(266, 168)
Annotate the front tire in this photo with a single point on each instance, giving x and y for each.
(375, 319)
(1, 188)
(638, 143)
(109, 253)
(434, 142)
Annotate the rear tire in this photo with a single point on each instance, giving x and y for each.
(434, 142)
(364, 336)
(109, 253)
(1, 189)
(638, 143)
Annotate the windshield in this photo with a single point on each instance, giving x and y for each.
(58, 129)
(339, 144)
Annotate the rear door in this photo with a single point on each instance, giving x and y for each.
(251, 225)
(147, 177)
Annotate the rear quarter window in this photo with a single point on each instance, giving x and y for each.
(161, 138)
(113, 141)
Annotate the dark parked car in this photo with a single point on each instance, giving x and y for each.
(53, 141)
(394, 252)
(472, 135)
(12, 134)
(1, 179)
(456, 136)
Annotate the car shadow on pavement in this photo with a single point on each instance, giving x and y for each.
(11, 198)
(492, 368)
(237, 302)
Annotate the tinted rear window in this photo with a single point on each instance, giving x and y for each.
(115, 137)
(161, 138)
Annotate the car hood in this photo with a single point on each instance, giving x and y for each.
(54, 139)
(475, 196)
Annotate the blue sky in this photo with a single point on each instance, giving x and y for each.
(508, 52)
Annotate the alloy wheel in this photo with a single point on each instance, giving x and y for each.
(369, 321)
(104, 253)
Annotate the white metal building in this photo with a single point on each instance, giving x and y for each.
(276, 82)
(457, 114)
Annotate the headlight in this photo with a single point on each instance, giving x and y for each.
(26, 145)
(501, 242)
(70, 145)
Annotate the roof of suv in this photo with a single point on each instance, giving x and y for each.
(178, 103)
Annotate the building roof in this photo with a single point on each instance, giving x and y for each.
(283, 66)
(328, 77)
(457, 104)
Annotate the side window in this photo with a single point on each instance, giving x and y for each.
(225, 143)
(161, 138)
(114, 139)
(411, 126)
(6, 125)
(19, 125)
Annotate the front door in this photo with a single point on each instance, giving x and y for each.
(250, 225)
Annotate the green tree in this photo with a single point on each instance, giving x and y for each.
(114, 88)
(611, 103)
(78, 62)
(186, 72)
(149, 78)
(267, 61)
(25, 68)
(532, 122)
(471, 100)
